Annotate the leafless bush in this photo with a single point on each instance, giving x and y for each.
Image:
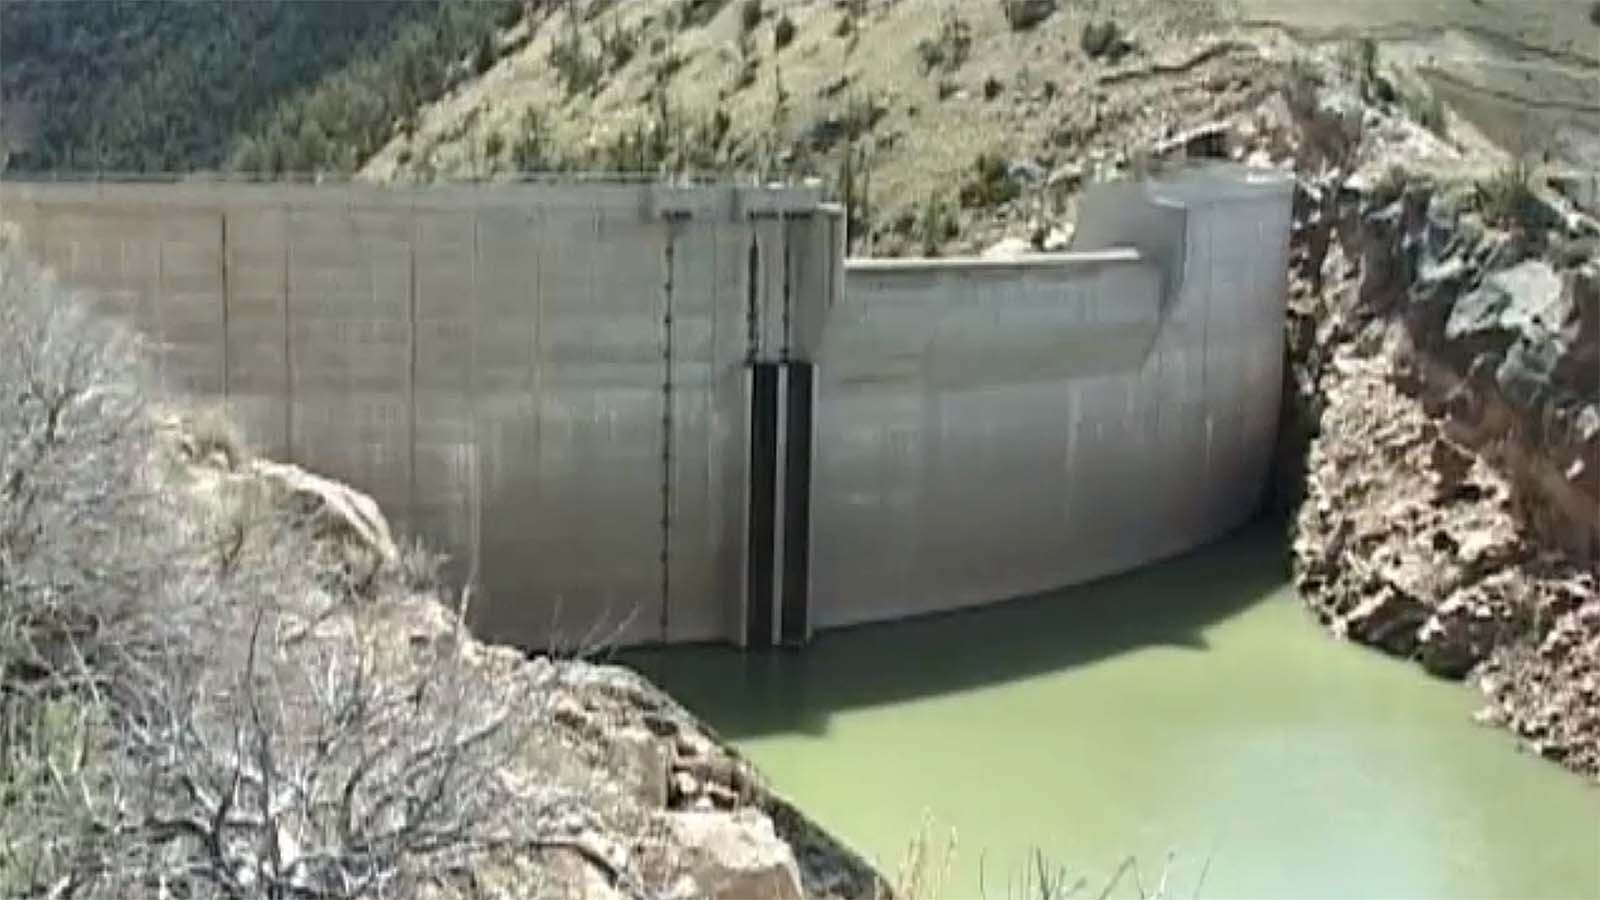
(323, 769)
(83, 532)
(84, 538)
(194, 703)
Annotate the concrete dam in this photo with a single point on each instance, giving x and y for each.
(667, 414)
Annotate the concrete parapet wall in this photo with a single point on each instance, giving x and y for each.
(554, 383)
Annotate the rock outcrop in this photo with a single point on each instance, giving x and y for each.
(1443, 411)
(669, 810)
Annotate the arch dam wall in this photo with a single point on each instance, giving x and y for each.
(645, 413)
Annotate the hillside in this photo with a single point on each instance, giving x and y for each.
(1526, 74)
(131, 86)
(336, 734)
(942, 126)
(929, 120)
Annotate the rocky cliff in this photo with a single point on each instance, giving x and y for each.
(1443, 417)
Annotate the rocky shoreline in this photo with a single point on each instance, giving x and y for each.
(668, 809)
(1442, 429)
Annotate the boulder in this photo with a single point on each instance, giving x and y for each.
(1025, 14)
(735, 856)
(1525, 376)
(1026, 171)
(337, 510)
(1058, 239)
(1103, 39)
(1525, 299)
(1460, 634)
(1010, 248)
(643, 763)
(1068, 176)
(1388, 618)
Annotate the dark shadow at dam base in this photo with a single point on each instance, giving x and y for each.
(796, 691)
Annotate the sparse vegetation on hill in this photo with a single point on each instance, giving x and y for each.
(891, 105)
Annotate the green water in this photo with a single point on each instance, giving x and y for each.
(1191, 715)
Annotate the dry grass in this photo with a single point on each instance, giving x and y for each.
(925, 874)
(1506, 197)
(925, 141)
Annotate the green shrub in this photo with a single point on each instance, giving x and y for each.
(618, 44)
(949, 48)
(483, 55)
(577, 68)
(530, 152)
(696, 13)
(750, 14)
(1102, 38)
(936, 225)
(1507, 198)
(783, 32)
(1360, 62)
(990, 184)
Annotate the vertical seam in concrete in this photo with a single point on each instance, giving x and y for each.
(1207, 284)
(666, 427)
(160, 301)
(223, 218)
(411, 375)
(288, 346)
(788, 250)
(711, 388)
(536, 364)
(475, 521)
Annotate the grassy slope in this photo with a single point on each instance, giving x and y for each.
(1020, 95)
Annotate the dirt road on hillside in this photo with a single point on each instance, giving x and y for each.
(1524, 72)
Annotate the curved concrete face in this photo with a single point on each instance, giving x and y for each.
(642, 413)
(987, 430)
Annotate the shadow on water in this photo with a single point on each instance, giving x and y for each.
(758, 694)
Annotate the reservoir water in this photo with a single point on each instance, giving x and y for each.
(1191, 715)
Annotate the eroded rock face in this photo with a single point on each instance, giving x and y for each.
(1441, 381)
(1408, 542)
